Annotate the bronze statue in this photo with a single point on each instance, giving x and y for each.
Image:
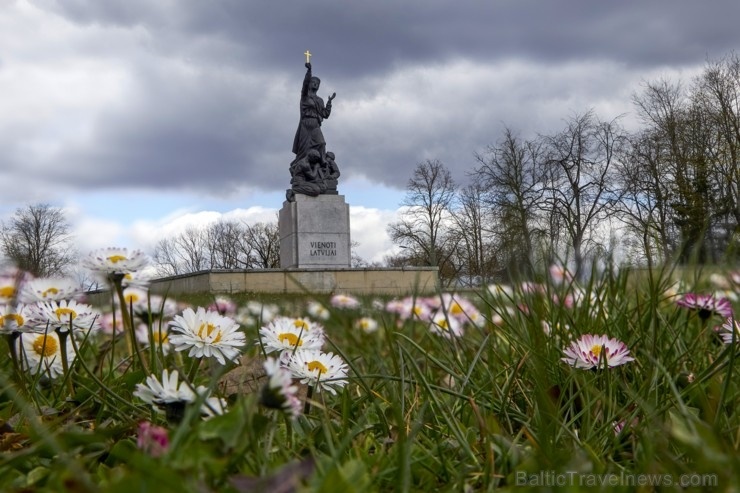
(313, 112)
(313, 171)
(306, 176)
(330, 173)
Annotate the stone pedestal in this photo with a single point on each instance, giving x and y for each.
(314, 232)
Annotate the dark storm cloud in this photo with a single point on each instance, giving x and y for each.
(211, 99)
(367, 36)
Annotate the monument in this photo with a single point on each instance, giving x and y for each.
(315, 255)
(314, 219)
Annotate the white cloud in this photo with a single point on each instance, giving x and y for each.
(368, 228)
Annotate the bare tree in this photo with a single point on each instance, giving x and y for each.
(184, 253)
(262, 241)
(583, 190)
(423, 226)
(227, 245)
(644, 205)
(38, 239)
(512, 175)
(475, 253)
(717, 90)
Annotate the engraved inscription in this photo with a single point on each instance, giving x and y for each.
(323, 249)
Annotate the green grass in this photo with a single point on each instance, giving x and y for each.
(493, 410)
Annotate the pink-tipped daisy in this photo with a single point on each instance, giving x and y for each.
(207, 334)
(48, 289)
(706, 305)
(63, 315)
(730, 329)
(344, 301)
(279, 391)
(410, 308)
(223, 305)
(596, 351)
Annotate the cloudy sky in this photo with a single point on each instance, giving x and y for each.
(140, 117)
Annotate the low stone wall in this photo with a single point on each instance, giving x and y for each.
(356, 281)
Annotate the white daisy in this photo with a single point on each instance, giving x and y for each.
(137, 279)
(171, 397)
(13, 319)
(8, 289)
(279, 391)
(159, 307)
(207, 334)
(48, 289)
(317, 310)
(158, 336)
(263, 311)
(42, 353)
(289, 334)
(63, 314)
(116, 260)
(323, 371)
(168, 390)
(213, 406)
(366, 324)
(445, 325)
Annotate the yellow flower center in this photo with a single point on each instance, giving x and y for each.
(63, 312)
(159, 336)
(209, 328)
(12, 316)
(291, 339)
(49, 291)
(301, 324)
(7, 291)
(443, 324)
(316, 365)
(45, 346)
(114, 259)
(131, 298)
(596, 350)
(456, 309)
(416, 311)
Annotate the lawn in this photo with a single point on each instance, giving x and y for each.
(611, 383)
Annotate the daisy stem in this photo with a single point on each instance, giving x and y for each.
(307, 404)
(117, 281)
(65, 362)
(12, 338)
(194, 365)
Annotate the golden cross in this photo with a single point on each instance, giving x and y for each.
(308, 56)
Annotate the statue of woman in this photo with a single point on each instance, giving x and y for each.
(313, 112)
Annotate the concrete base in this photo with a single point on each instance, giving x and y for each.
(411, 280)
(314, 233)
